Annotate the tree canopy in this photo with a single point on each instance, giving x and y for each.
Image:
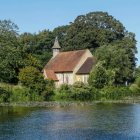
(105, 36)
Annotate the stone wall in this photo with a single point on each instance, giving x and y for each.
(66, 78)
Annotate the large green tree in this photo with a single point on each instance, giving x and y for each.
(92, 30)
(38, 46)
(105, 35)
(10, 54)
(117, 58)
(8, 33)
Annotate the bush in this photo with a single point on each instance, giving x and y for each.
(78, 91)
(115, 93)
(63, 93)
(49, 91)
(135, 89)
(4, 95)
(96, 95)
(138, 82)
(81, 92)
(78, 84)
(20, 94)
(64, 88)
(12, 93)
(24, 94)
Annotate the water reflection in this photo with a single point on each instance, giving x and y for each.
(98, 122)
(11, 113)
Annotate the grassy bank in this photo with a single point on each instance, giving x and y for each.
(70, 103)
(77, 92)
(17, 93)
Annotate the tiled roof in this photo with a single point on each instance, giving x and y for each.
(51, 75)
(87, 66)
(65, 61)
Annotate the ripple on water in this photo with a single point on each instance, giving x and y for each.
(97, 122)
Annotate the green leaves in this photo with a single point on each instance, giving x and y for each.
(32, 78)
(98, 77)
(10, 63)
(10, 55)
(100, 32)
(93, 30)
(117, 58)
(8, 33)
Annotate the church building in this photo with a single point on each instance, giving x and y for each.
(68, 67)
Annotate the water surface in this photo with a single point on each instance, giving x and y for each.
(76, 122)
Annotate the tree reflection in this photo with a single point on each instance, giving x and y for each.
(12, 113)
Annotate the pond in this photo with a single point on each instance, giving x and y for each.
(75, 122)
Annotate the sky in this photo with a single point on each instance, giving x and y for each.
(36, 15)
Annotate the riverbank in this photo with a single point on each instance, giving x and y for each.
(68, 103)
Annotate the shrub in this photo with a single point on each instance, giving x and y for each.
(24, 94)
(135, 89)
(49, 91)
(4, 95)
(64, 88)
(115, 93)
(77, 91)
(138, 82)
(96, 95)
(63, 93)
(19, 94)
(78, 84)
(81, 93)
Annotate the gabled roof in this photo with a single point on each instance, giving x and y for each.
(65, 61)
(51, 75)
(87, 66)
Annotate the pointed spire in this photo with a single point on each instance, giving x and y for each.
(56, 44)
(56, 47)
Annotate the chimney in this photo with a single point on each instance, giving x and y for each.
(56, 47)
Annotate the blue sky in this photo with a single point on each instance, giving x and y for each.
(35, 15)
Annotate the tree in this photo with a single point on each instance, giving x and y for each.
(98, 77)
(38, 46)
(91, 31)
(100, 32)
(116, 58)
(10, 63)
(31, 60)
(8, 33)
(10, 55)
(32, 78)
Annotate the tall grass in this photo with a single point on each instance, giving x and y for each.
(17, 93)
(76, 92)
